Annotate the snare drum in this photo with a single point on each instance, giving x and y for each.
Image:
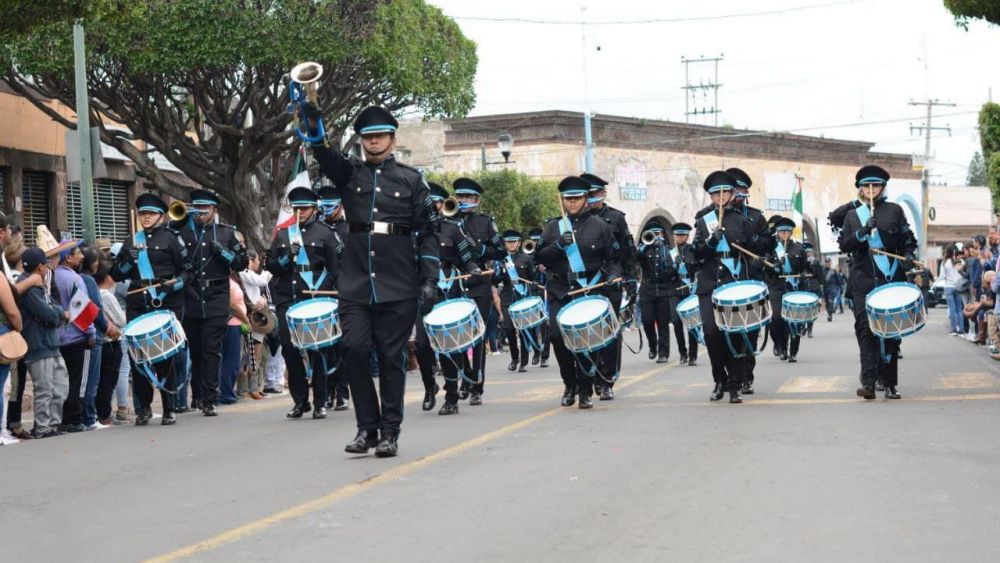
(454, 326)
(741, 306)
(895, 310)
(588, 324)
(314, 324)
(527, 313)
(154, 337)
(799, 307)
(689, 313)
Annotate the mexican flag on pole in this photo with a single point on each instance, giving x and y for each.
(300, 178)
(82, 311)
(797, 208)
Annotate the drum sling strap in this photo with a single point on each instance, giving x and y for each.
(146, 269)
(305, 272)
(521, 289)
(576, 264)
(885, 264)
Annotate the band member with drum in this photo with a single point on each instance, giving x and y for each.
(719, 262)
(154, 259)
(215, 252)
(538, 277)
(685, 287)
(331, 209)
(517, 270)
(789, 260)
(577, 252)
(483, 238)
(876, 224)
(303, 260)
(624, 251)
(659, 284)
(813, 282)
(384, 270)
(762, 244)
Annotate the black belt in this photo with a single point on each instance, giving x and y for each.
(380, 228)
(205, 284)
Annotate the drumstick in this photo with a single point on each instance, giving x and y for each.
(595, 286)
(750, 254)
(797, 276)
(158, 284)
(319, 292)
(464, 276)
(917, 263)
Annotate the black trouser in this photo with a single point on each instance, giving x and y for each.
(74, 355)
(830, 301)
(545, 331)
(298, 381)
(477, 371)
(336, 383)
(143, 388)
(611, 357)
(111, 360)
(691, 350)
(572, 374)
(204, 338)
(873, 367)
(17, 395)
(426, 358)
(384, 327)
(727, 370)
(520, 351)
(779, 328)
(656, 313)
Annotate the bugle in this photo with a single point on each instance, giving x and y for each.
(178, 211)
(449, 207)
(648, 237)
(302, 88)
(529, 247)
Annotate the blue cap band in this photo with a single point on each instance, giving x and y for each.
(742, 184)
(203, 202)
(785, 229)
(512, 239)
(655, 229)
(151, 209)
(597, 187)
(681, 231)
(574, 193)
(719, 188)
(333, 202)
(466, 191)
(871, 181)
(384, 128)
(436, 198)
(304, 203)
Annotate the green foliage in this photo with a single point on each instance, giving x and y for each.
(993, 178)
(516, 200)
(977, 171)
(19, 17)
(989, 137)
(966, 10)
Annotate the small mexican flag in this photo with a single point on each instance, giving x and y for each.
(797, 208)
(82, 311)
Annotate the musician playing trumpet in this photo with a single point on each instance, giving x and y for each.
(659, 282)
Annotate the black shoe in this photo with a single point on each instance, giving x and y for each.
(662, 359)
(747, 389)
(652, 351)
(734, 398)
(783, 356)
(607, 394)
(387, 447)
(181, 410)
(777, 351)
(891, 393)
(196, 404)
(879, 386)
(512, 366)
(792, 359)
(169, 419)
(809, 334)
(319, 413)
(142, 417)
(569, 397)
(829, 319)
(475, 399)
(328, 404)
(448, 408)
(717, 393)
(523, 368)
(463, 391)
(74, 428)
(535, 358)
(209, 410)
(430, 398)
(866, 393)
(545, 363)
(683, 360)
(340, 404)
(692, 361)
(297, 411)
(586, 402)
(271, 391)
(364, 441)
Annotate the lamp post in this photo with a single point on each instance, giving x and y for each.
(505, 142)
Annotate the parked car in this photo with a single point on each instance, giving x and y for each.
(935, 295)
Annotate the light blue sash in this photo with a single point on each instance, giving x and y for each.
(886, 265)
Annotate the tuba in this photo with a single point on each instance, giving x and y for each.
(449, 208)
(528, 246)
(301, 89)
(648, 238)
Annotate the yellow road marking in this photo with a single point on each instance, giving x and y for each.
(353, 489)
(966, 380)
(817, 401)
(815, 384)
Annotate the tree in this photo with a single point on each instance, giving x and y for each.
(966, 10)
(20, 17)
(989, 138)
(516, 200)
(203, 82)
(977, 171)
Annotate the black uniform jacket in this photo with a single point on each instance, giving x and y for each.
(796, 260)
(897, 238)
(596, 242)
(207, 296)
(625, 253)
(169, 259)
(288, 286)
(659, 271)
(391, 248)
(712, 273)
(525, 266)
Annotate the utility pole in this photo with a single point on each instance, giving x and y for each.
(691, 90)
(588, 139)
(925, 176)
(83, 131)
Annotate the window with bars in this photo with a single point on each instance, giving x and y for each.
(111, 211)
(3, 186)
(34, 203)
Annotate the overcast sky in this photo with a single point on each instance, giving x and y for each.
(788, 65)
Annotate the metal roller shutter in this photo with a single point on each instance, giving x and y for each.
(35, 203)
(3, 186)
(111, 211)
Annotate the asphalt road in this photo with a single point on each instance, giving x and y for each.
(803, 470)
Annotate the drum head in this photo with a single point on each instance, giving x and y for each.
(148, 323)
(739, 291)
(893, 296)
(688, 304)
(526, 303)
(800, 298)
(450, 311)
(312, 308)
(583, 311)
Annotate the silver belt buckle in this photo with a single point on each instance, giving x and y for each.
(380, 227)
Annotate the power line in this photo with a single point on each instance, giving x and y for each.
(657, 20)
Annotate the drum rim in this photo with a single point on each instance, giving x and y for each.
(692, 298)
(532, 298)
(744, 301)
(475, 310)
(872, 308)
(300, 304)
(581, 300)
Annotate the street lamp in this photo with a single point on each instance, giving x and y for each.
(505, 142)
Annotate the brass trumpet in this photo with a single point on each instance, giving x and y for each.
(302, 88)
(449, 208)
(529, 246)
(648, 237)
(179, 211)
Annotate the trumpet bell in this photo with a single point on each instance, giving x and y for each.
(449, 208)
(648, 237)
(178, 211)
(306, 73)
(528, 247)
